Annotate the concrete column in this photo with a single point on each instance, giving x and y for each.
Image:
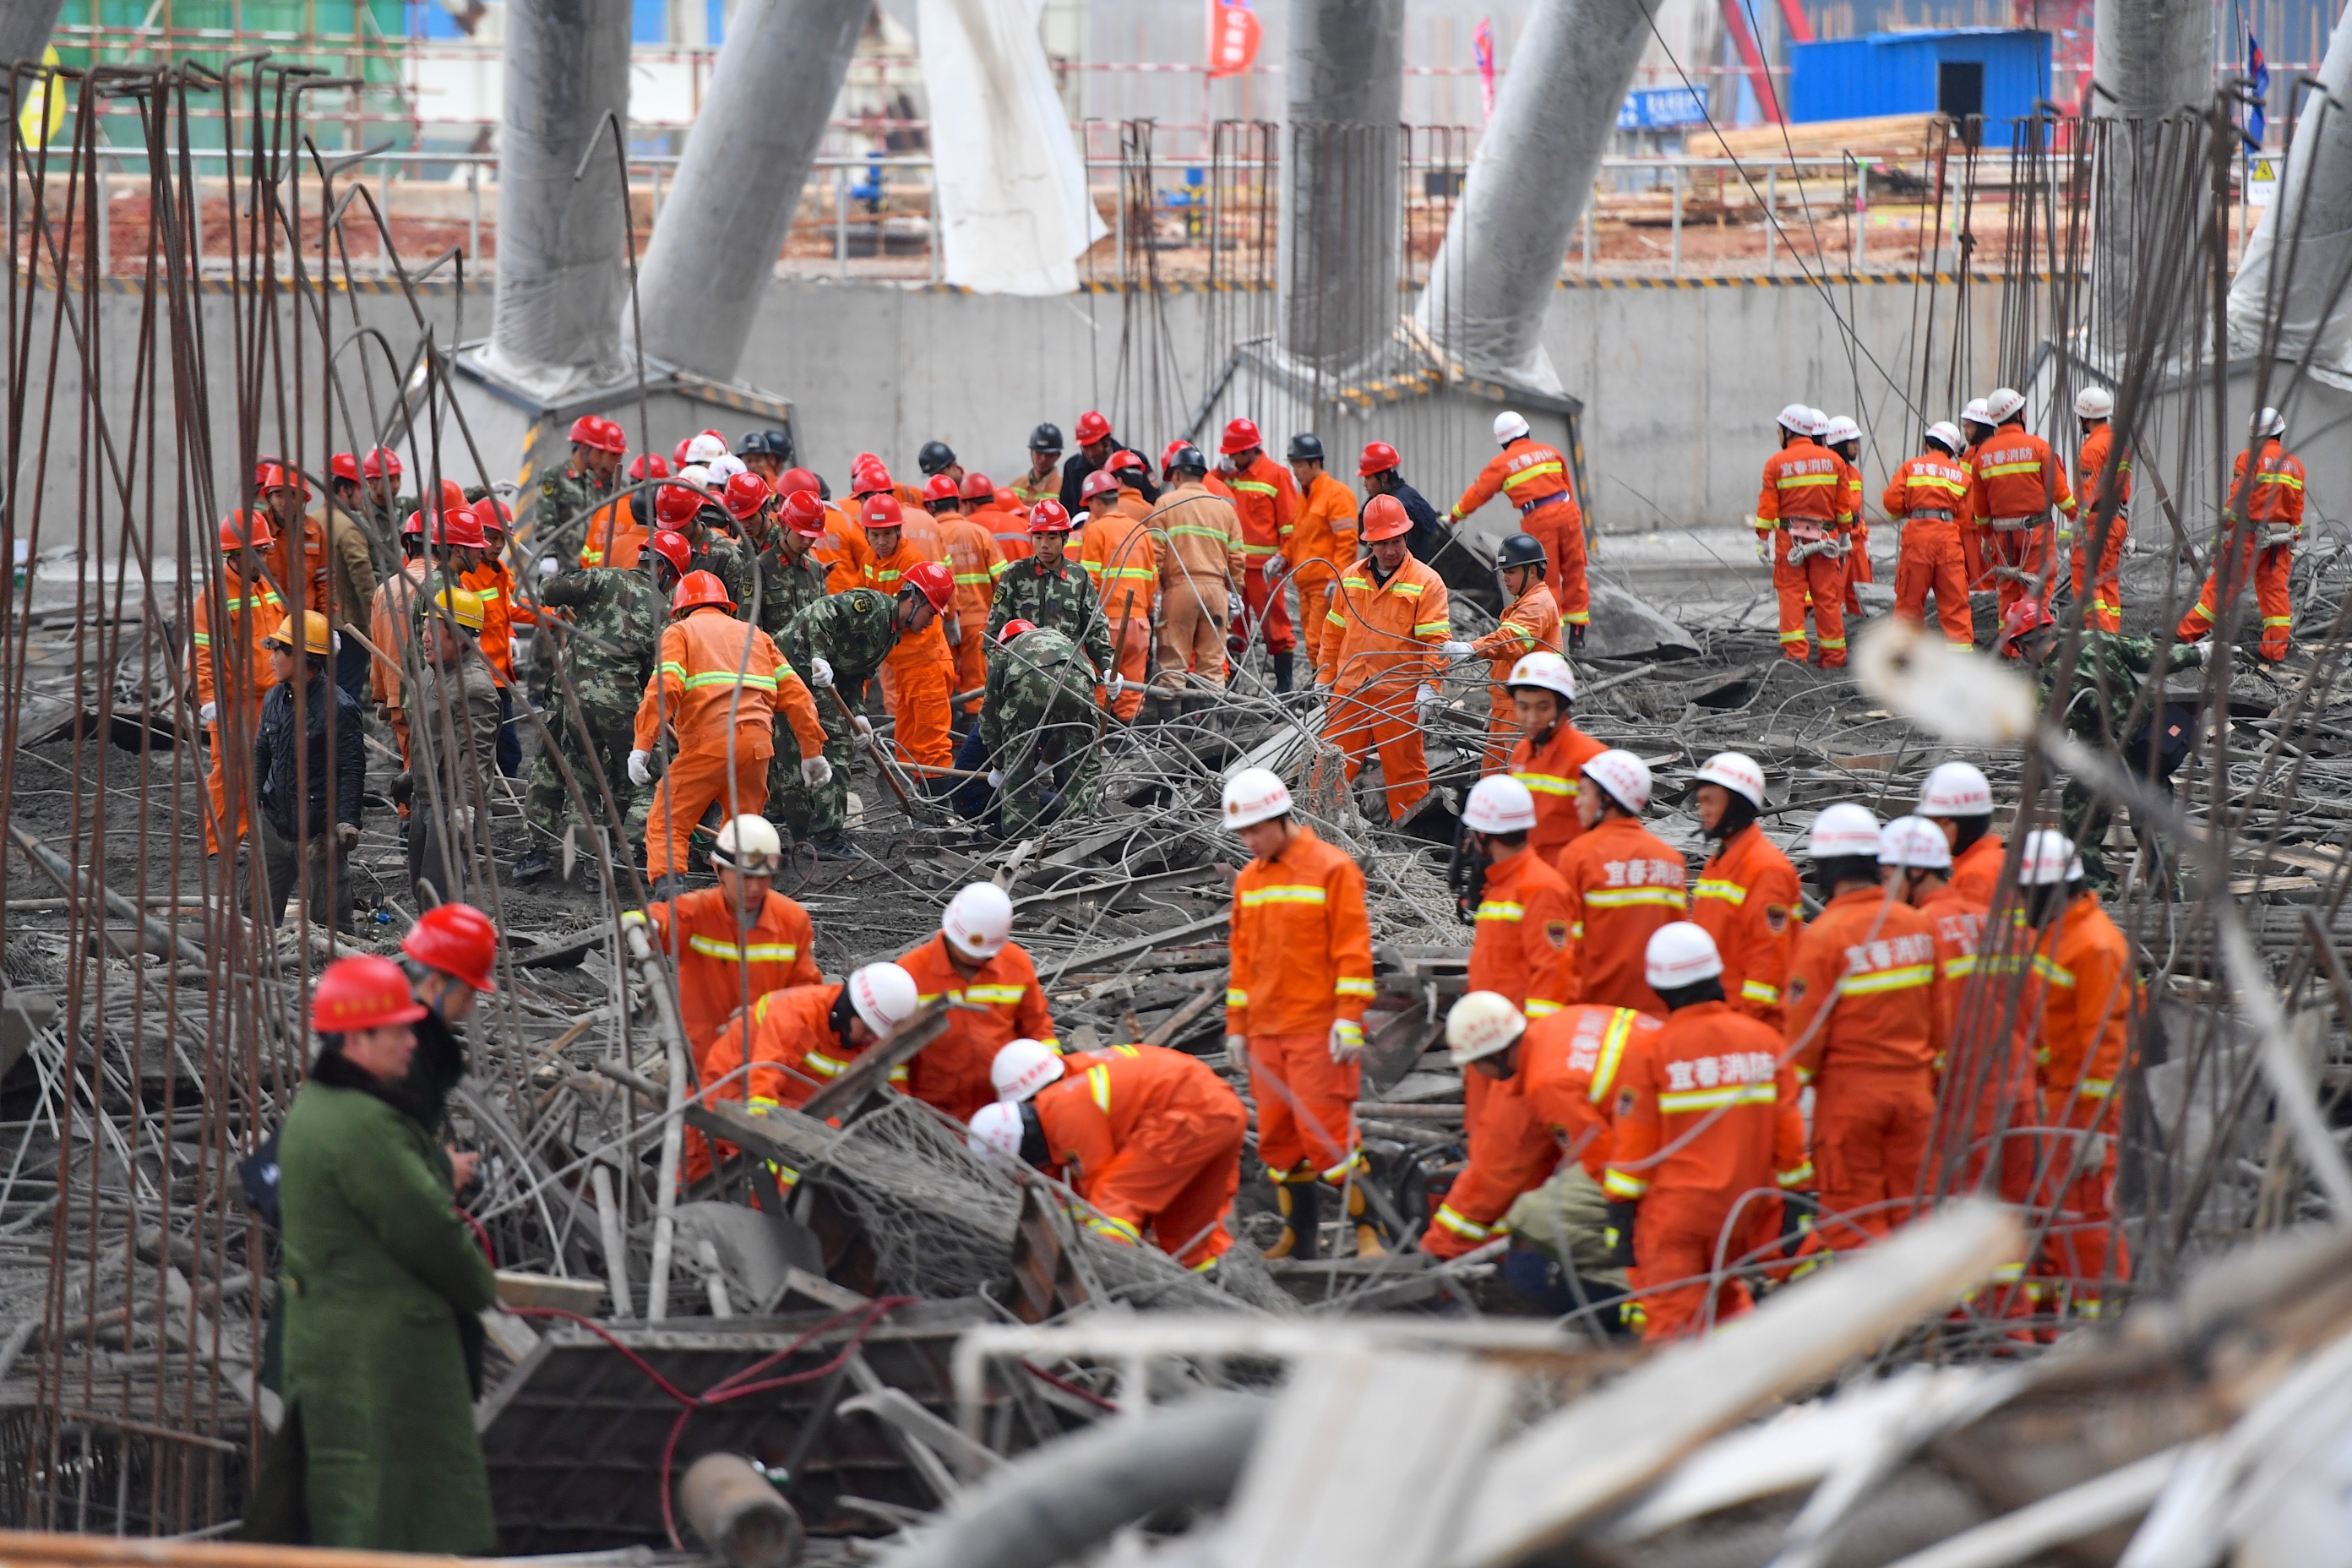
(24, 29)
(1342, 148)
(2153, 66)
(722, 222)
(2304, 236)
(1529, 181)
(563, 268)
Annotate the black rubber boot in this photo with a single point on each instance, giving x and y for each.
(1301, 1203)
(1282, 671)
(837, 847)
(667, 886)
(1576, 637)
(533, 865)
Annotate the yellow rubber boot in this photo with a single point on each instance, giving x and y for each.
(1368, 1235)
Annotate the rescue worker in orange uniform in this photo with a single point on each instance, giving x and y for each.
(1301, 979)
(1865, 1022)
(1709, 1118)
(992, 987)
(919, 674)
(1517, 904)
(716, 685)
(789, 1043)
(1747, 898)
(1322, 542)
(1797, 529)
(1116, 549)
(1197, 536)
(1624, 883)
(731, 944)
(2080, 994)
(1552, 751)
(2017, 482)
(1268, 503)
(1007, 527)
(1151, 1138)
(1975, 427)
(1530, 623)
(2265, 525)
(1381, 672)
(2100, 595)
(230, 670)
(1534, 478)
(976, 562)
(283, 492)
(1958, 802)
(1928, 497)
(1842, 437)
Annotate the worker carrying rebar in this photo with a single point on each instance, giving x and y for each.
(1928, 497)
(2099, 595)
(976, 563)
(1707, 1117)
(453, 717)
(1798, 530)
(377, 1449)
(991, 985)
(1040, 728)
(1552, 751)
(1267, 500)
(1300, 981)
(1747, 898)
(1197, 536)
(230, 668)
(841, 641)
(2258, 540)
(732, 943)
(1530, 623)
(1624, 883)
(1534, 479)
(1151, 1139)
(1381, 673)
(1117, 550)
(2017, 487)
(1321, 546)
(309, 768)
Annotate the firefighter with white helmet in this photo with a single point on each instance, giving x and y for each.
(1746, 896)
(1552, 751)
(1928, 497)
(2094, 405)
(1624, 883)
(1798, 529)
(991, 985)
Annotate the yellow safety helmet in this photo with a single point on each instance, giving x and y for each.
(463, 605)
(316, 637)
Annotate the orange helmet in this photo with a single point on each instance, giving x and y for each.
(279, 477)
(1385, 517)
(344, 465)
(240, 529)
(931, 580)
(364, 991)
(453, 496)
(881, 510)
(490, 512)
(698, 590)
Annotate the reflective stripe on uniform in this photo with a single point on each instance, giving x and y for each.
(1684, 1099)
(1903, 979)
(1756, 991)
(755, 953)
(1731, 893)
(1496, 910)
(1546, 784)
(1352, 987)
(1460, 1224)
(1284, 893)
(1628, 897)
(1098, 1085)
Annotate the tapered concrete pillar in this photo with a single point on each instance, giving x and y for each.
(1342, 150)
(24, 29)
(2153, 67)
(2302, 246)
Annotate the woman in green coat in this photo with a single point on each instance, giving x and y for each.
(379, 1271)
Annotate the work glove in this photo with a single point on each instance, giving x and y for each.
(821, 673)
(1455, 649)
(1764, 550)
(996, 778)
(1322, 689)
(816, 772)
(1619, 1234)
(1117, 686)
(641, 771)
(1346, 1041)
(2204, 651)
(548, 567)
(1429, 702)
(347, 836)
(1232, 605)
(208, 712)
(1236, 1049)
(462, 819)
(954, 625)
(863, 725)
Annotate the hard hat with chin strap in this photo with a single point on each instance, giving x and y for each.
(1737, 771)
(748, 844)
(1481, 1025)
(1546, 671)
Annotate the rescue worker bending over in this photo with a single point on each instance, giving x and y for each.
(1534, 478)
(2265, 524)
(1530, 625)
(992, 984)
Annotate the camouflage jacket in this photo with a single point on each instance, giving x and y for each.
(459, 701)
(2107, 681)
(1063, 601)
(786, 587)
(1029, 678)
(853, 632)
(724, 557)
(566, 497)
(617, 615)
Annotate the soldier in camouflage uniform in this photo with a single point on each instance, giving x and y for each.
(615, 621)
(838, 644)
(788, 580)
(569, 494)
(1040, 722)
(1050, 591)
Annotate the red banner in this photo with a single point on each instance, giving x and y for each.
(1232, 36)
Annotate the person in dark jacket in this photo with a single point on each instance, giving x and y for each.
(1096, 447)
(1429, 533)
(309, 804)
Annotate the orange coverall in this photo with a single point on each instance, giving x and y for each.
(1197, 537)
(2079, 997)
(1976, 870)
(1116, 549)
(1010, 530)
(231, 670)
(1153, 1138)
(1383, 650)
(1972, 530)
(844, 552)
(974, 556)
(1267, 500)
(1988, 1097)
(719, 971)
(1553, 772)
(1302, 960)
(918, 676)
(1799, 502)
(2273, 507)
(1747, 899)
(1533, 478)
(493, 585)
(389, 618)
(1849, 518)
(999, 1002)
(792, 1049)
(615, 537)
(318, 587)
(1532, 622)
(718, 685)
(1710, 1115)
(2105, 603)
(1929, 496)
(1321, 546)
(2018, 481)
(1624, 883)
(1865, 1013)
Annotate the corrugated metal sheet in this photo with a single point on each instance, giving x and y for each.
(1896, 73)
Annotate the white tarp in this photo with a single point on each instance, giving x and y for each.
(1012, 205)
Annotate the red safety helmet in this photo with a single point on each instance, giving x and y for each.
(240, 529)
(1048, 517)
(978, 487)
(364, 991)
(588, 430)
(1170, 451)
(1378, 458)
(1127, 457)
(675, 506)
(490, 512)
(698, 590)
(648, 466)
(460, 528)
(1385, 517)
(939, 487)
(2025, 616)
(678, 456)
(1102, 482)
(1240, 436)
(453, 496)
(792, 481)
(869, 479)
(881, 510)
(931, 580)
(804, 514)
(416, 524)
(377, 464)
(1092, 428)
(1013, 628)
(1008, 500)
(616, 440)
(672, 547)
(745, 494)
(279, 477)
(458, 939)
(344, 465)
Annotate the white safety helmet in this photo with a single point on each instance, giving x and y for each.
(1977, 412)
(1956, 789)
(979, 921)
(2270, 422)
(1680, 954)
(2004, 403)
(723, 467)
(1509, 426)
(1821, 421)
(1622, 777)
(883, 996)
(695, 474)
(1480, 1024)
(1916, 844)
(1947, 435)
(1022, 1068)
(2094, 402)
(1798, 420)
(1253, 795)
(1737, 771)
(1546, 670)
(1499, 803)
(748, 844)
(704, 447)
(996, 1130)
(1842, 831)
(1841, 428)
(2049, 856)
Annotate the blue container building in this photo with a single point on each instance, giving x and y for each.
(1999, 73)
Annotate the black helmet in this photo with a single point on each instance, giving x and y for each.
(1187, 458)
(774, 444)
(1307, 448)
(1519, 550)
(936, 457)
(1047, 437)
